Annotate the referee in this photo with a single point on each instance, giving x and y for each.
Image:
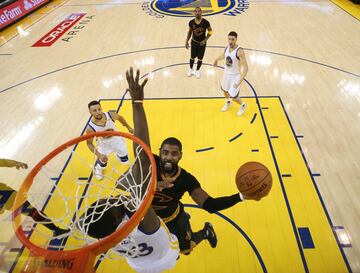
(197, 30)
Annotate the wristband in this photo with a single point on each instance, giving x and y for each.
(241, 196)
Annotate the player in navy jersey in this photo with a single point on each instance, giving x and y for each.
(8, 195)
(197, 32)
(173, 182)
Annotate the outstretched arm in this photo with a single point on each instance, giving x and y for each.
(12, 163)
(136, 92)
(150, 222)
(210, 204)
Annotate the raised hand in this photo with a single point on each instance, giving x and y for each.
(135, 89)
(12, 163)
(103, 158)
(20, 165)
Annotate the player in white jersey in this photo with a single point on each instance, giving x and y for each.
(161, 249)
(99, 122)
(158, 248)
(236, 69)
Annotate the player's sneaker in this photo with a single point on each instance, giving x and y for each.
(226, 106)
(190, 72)
(210, 234)
(242, 109)
(98, 173)
(127, 162)
(197, 74)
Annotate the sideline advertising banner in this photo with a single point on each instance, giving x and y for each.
(17, 10)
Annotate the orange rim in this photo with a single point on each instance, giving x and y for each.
(109, 241)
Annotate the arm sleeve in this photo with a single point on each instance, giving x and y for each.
(216, 204)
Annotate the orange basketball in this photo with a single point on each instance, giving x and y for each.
(253, 180)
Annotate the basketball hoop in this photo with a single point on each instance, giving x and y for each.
(63, 204)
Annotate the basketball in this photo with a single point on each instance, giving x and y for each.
(253, 180)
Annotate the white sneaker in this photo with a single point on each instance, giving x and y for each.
(226, 106)
(190, 72)
(197, 74)
(98, 173)
(242, 109)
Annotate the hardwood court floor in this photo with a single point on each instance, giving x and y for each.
(303, 54)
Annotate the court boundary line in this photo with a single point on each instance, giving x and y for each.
(316, 189)
(287, 202)
(309, 171)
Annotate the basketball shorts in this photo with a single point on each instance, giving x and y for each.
(113, 144)
(227, 84)
(197, 50)
(180, 226)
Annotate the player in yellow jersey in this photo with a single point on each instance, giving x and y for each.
(8, 194)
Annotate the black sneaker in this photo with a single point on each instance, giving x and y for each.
(210, 234)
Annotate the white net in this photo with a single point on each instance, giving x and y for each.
(74, 209)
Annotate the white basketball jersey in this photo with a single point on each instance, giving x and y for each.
(231, 61)
(109, 124)
(154, 247)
